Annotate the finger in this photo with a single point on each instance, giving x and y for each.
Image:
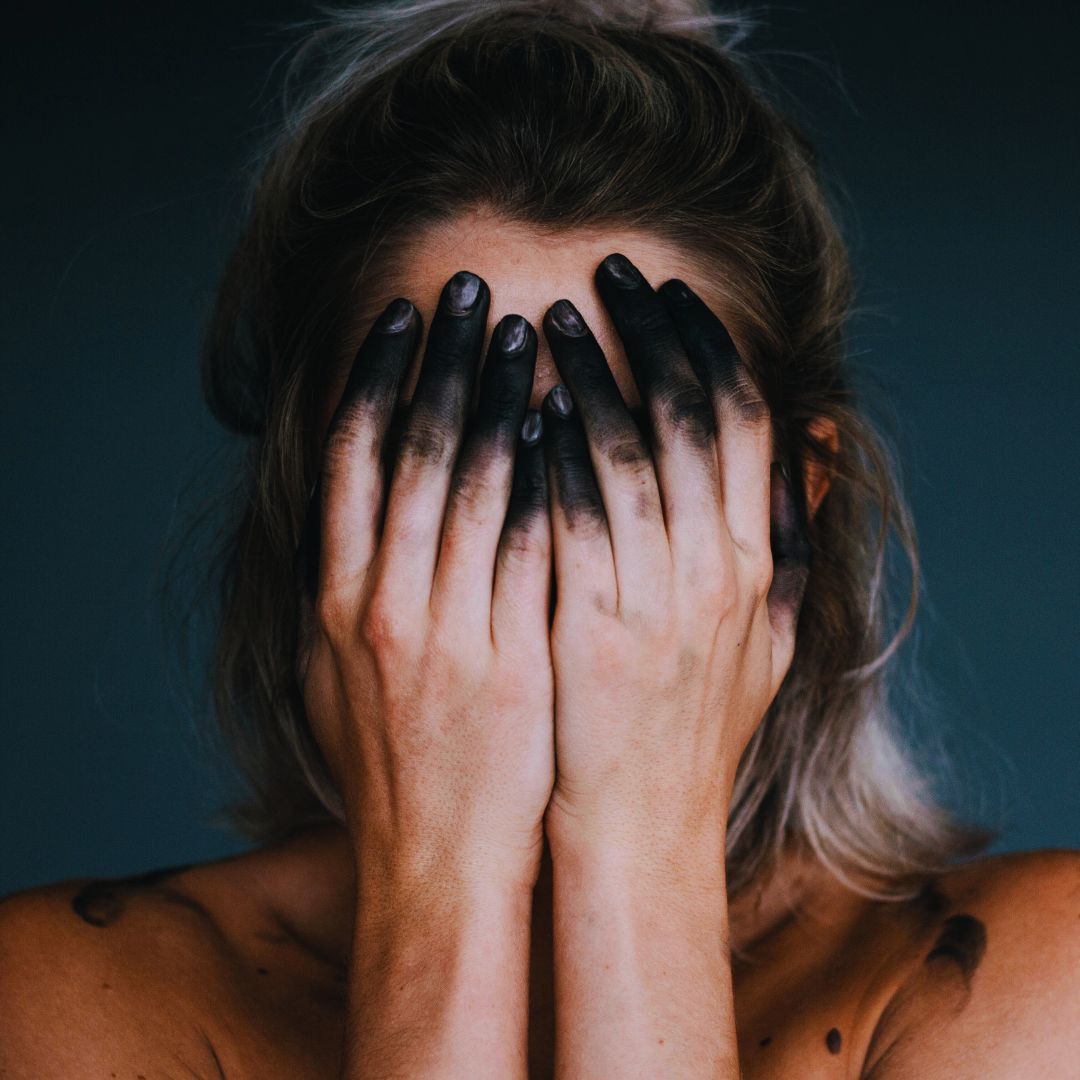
(582, 546)
(481, 482)
(341, 521)
(430, 439)
(519, 604)
(619, 453)
(742, 416)
(681, 416)
(791, 555)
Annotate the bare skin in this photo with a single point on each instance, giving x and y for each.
(563, 940)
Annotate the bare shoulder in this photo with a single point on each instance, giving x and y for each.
(995, 988)
(108, 977)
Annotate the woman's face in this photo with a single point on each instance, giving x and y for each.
(526, 273)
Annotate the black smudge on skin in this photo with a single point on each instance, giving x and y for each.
(659, 360)
(833, 1040)
(567, 455)
(962, 941)
(528, 493)
(444, 386)
(765, 1042)
(100, 903)
(492, 432)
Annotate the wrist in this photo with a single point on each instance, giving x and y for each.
(401, 865)
(590, 848)
(438, 981)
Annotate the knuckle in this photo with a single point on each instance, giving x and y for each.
(344, 439)
(382, 628)
(333, 614)
(630, 453)
(716, 592)
(520, 545)
(742, 401)
(689, 412)
(760, 574)
(427, 440)
(472, 496)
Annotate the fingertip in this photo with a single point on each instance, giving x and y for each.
(558, 402)
(532, 430)
(677, 291)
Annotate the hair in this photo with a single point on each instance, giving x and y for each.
(563, 115)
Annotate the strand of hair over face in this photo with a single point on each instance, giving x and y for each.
(358, 43)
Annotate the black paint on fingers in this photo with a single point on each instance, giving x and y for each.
(712, 352)
(791, 552)
(368, 397)
(664, 374)
(609, 424)
(566, 452)
(505, 383)
(437, 411)
(529, 492)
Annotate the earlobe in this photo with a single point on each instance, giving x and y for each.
(824, 431)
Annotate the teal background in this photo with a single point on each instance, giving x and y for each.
(952, 131)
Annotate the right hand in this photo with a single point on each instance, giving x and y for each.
(424, 659)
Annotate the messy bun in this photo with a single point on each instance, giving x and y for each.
(559, 115)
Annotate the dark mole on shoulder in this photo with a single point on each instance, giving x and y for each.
(765, 1041)
(963, 941)
(833, 1040)
(102, 902)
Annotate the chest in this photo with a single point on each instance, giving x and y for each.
(811, 1017)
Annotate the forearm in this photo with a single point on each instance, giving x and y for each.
(642, 970)
(438, 983)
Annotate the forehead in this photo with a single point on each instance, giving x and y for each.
(526, 270)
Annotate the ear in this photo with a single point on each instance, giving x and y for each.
(823, 431)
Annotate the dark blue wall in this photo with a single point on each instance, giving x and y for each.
(954, 139)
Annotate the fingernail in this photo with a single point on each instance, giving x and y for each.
(622, 271)
(566, 318)
(395, 318)
(676, 291)
(533, 428)
(462, 292)
(511, 334)
(559, 398)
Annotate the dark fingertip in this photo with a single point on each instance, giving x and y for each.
(462, 292)
(567, 319)
(622, 271)
(559, 401)
(511, 334)
(677, 291)
(533, 427)
(397, 317)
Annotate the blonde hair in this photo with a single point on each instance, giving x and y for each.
(561, 115)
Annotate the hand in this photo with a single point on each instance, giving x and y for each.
(674, 623)
(424, 658)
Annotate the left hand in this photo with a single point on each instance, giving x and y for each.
(676, 602)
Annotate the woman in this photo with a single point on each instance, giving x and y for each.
(569, 750)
